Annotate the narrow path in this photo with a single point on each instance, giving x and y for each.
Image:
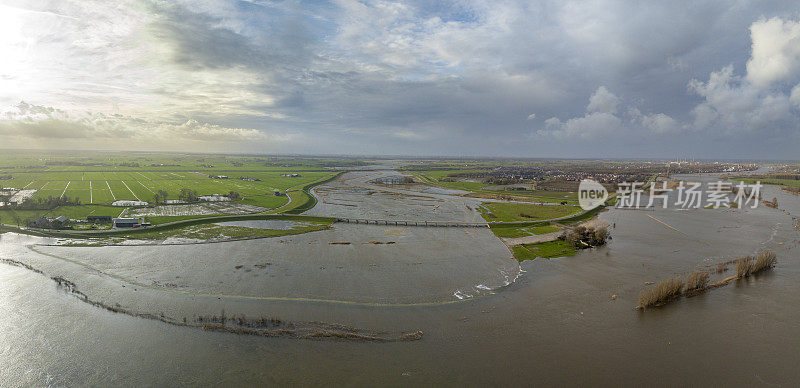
(65, 189)
(91, 196)
(129, 189)
(112, 191)
(26, 186)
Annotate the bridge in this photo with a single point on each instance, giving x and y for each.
(448, 224)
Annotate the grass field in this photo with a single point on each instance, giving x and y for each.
(106, 187)
(97, 179)
(550, 249)
(507, 212)
(515, 230)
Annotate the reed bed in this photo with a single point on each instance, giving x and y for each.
(750, 265)
(661, 292)
(672, 288)
(697, 281)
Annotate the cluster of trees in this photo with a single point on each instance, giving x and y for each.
(582, 237)
(187, 195)
(234, 195)
(5, 177)
(160, 196)
(129, 164)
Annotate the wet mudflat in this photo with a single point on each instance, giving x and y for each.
(556, 324)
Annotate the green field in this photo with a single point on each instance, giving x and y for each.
(509, 212)
(107, 187)
(96, 180)
(550, 249)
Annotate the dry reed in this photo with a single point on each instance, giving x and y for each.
(661, 292)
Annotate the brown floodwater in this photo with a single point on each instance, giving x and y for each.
(556, 324)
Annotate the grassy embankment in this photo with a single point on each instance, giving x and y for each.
(768, 181)
(302, 199)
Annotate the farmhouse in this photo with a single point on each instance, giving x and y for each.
(292, 175)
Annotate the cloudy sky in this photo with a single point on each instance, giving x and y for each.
(705, 79)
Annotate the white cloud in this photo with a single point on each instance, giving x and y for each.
(603, 101)
(591, 126)
(660, 123)
(775, 51)
(531, 116)
(734, 104)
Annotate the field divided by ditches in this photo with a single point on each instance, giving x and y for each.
(105, 187)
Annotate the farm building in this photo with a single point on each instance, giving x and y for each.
(127, 222)
(292, 175)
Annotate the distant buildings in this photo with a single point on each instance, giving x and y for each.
(292, 175)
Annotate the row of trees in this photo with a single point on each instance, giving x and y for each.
(44, 203)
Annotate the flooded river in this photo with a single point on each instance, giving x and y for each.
(555, 324)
